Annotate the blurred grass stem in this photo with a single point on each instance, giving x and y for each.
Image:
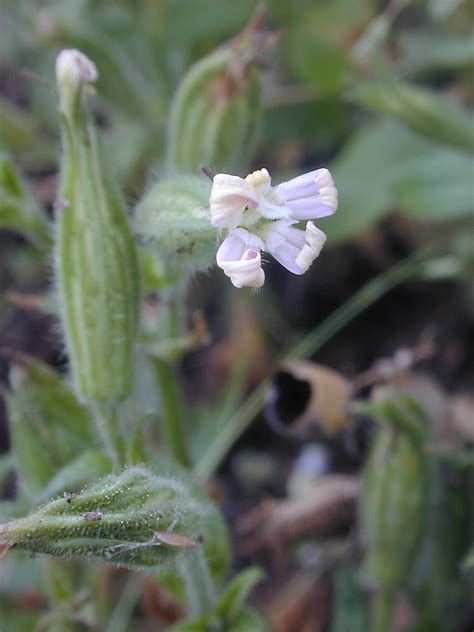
(383, 611)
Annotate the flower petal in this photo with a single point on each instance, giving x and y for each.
(298, 249)
(309, 196)
(249, 239)
(231, 249)
(230, 195)
(315, 240)
(242, 265)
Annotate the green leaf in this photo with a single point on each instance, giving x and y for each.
(18, 130)
(422, 110)
(439, 187)
(384, 167)
(317, 62)
(426, 51)
(364, 179)
(237, 592)
(18, 209)
(350, 610)
(46, 421)
(248, 619)
(316, 45)
(198, 625)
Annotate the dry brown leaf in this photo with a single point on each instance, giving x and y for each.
(327, 510)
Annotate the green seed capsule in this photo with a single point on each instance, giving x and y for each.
(393, 500)
(136, 518)
(216, 112)
(96, 261)
(173, 221)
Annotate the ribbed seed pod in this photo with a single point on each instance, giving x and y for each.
(96, 262)
(393, 498)
(136, 518)
(216, 111)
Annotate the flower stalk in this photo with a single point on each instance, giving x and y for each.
(167, 379)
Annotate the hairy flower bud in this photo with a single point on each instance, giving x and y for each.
(96, 261)
(173, 221)
(136, 518)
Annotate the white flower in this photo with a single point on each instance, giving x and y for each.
(243, 265)
(260, 217)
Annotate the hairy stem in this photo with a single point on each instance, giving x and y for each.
(200, 592)
(107, 424)
(167, 377)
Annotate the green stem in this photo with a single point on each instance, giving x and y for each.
(120, 618)
(383, 612)
(107, 424)
(59, 581)
(200, 592)
(166, 372)
(363, 298)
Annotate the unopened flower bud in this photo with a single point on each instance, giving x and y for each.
(73, 72)
(173, 221)
(96, 261)
(136, 518)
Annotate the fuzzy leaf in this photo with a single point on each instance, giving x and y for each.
(49, 427)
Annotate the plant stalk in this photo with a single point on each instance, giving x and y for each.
(107, 423)
(166, 372)
(383, 612)
(199, 587)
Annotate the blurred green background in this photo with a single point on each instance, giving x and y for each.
(379, 92)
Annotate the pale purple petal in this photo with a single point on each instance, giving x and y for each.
(231, 249)
(275, 233)
(301, 186)
(249, 239)
(285, 243)
(230, 196)
(241, 264)
(286, 255)
(315, 240)
(309, 196)
(310, 208)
